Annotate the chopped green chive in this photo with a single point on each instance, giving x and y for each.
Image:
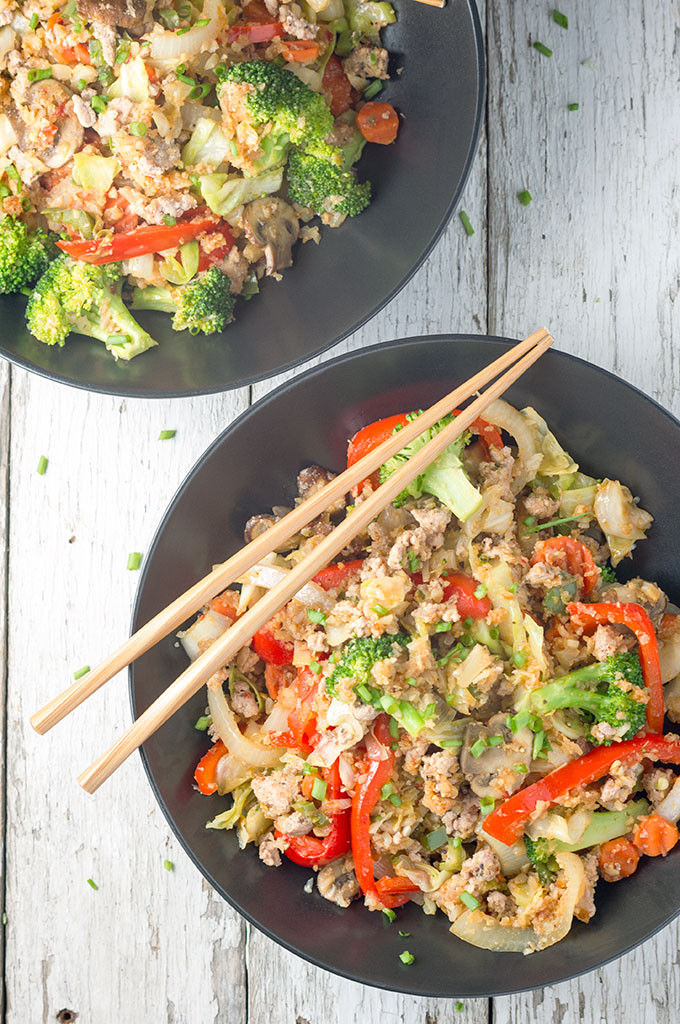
(388, 704)
(199, 92)
(5, 190)
(182, 31)
(380, 610)
(138, 128)
(442, 627)
(521, 769)
(542, 48)
(81, 672)
(308, 769)
(316, 616)
(81, 84)
(456, 842)
(134, 560)
(389, 914)
(478, 747)
(98, 104)
(433, 840)
(165, 435)
(386, 790)
(202, 22)
(572, 106)
(447, 744)
(459, 1006)
(373, 89)
(406, 957)
(513, 588)
(494, 632)
(187, 79)
(233, 147)
(93, 885)
(404, 935)
(480, 592)
(394, 799)
(530, 520)
(364, 692)
(414, 562)
(33, 23)
(469, 900)
(42, 465)
(203, 722)
(560, 19)
(4, 917)
(519, 659)
(524, 197)
(494, 741)
(38, 74)
(465, 221)
(556, 522)
(394, 728)
(319, 789)
(411, 681)
(315, 667)
(487, 804)
(518, 721)
(168, 865)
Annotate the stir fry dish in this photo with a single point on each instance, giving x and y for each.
(466, 710)
(167, 155)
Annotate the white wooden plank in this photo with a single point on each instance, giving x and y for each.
(150, 944)
(595, 257)
(5, 376)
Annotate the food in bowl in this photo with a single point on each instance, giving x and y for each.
(169, 156)
(466, 710)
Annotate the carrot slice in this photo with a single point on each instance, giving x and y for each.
(378, 122)
(618, 859)
(654, 836)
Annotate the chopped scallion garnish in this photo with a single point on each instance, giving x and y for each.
(134, 560)
(373, 89)
(406, 957)
(486, 805)
(168, 865)
(33, 23)
(542, 48)
(165, 435)
(494, 741)
(81, 672)
(524, 197)
(319, 789)
(38, 74)
(138, 128)
(469, 900)
(560, 19)
(314, 615)
(480, 591)
(478, 747)
(442, 627)
(380, 610)
(315, 667)
(394, 729)
(465, 221)
(42, 465)
(386, 790)
(404, 935)
(390, 915)
(572, 106)
(202, 22)
(414, 562)
(519, 659)
(98, 104)
(92, 884)
(203, 722)
(433, 840)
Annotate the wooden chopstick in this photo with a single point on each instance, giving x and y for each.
(190, 602)
(223, 650)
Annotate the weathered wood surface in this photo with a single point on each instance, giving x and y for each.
(595, 256)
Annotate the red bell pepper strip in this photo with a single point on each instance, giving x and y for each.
(571, 555)
(337, 86)
(301, 720)
(636, 618)
(507, 822)
(310, 850)
(256, 33)
(463, 588)
(271, 650)
(335, 575)
(148, 238)
(395, 891)
(366, 796)
(225, 603)
(206, 769)
(372, 435)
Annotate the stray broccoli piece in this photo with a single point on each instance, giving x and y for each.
(542, 859)
(596, 691)
(24, 254)
(607, 574)
(324, 187)
(358, 657)
(271, 95)
(445, 478)
(72, 296)
(205, 304)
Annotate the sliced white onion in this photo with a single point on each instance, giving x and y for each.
(252, 754)
(139, 266)
(484, 931)
(8, 136)
(555, 826)
(347, 773)
(268, 576)
(7, 40)
(231, 772)
(669, 808)
(169, 45)
(529, 458)
(512, 858)
(198, 636)
(277, 721)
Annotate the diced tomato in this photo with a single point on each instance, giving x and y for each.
(378, 122)
(225, 603)
(334, 576)
(618, 859)
(654, 836)
(337, 86)
(274, 675)
(463, 589)
(571, 555)
(301, 720)
(256, 33)
(271, 650)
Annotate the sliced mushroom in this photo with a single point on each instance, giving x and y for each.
(493, 772)
(47, 102)
(259, 524)
(310, 481)
(272, 224)
(131, 14)
(638, 591)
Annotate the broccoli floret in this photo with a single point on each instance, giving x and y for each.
(595, 691)
(607, 574)
(205, 304)
(24, 254)
(273, 95)
(324, 187)
(358, 657)
(73, 296)
(445, 478)
(542, 859)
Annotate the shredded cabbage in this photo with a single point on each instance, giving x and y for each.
(556, 461)
(208, 144)
(622, 521)
(224, 192)
(183, 270)
(132, 82)
(93, 172)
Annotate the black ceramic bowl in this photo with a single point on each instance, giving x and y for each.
(608, 426)
(337, 286)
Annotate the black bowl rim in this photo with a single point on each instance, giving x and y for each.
(234, 425)
(123, 392)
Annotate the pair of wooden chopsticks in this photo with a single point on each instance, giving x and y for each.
(224, 649)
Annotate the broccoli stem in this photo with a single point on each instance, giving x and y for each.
(606, 825)
(153, 297)
(122, 323)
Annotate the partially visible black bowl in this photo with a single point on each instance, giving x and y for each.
(609, 427)
(337, 286)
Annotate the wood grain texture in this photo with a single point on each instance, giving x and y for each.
(5, 377)
(158, 946)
